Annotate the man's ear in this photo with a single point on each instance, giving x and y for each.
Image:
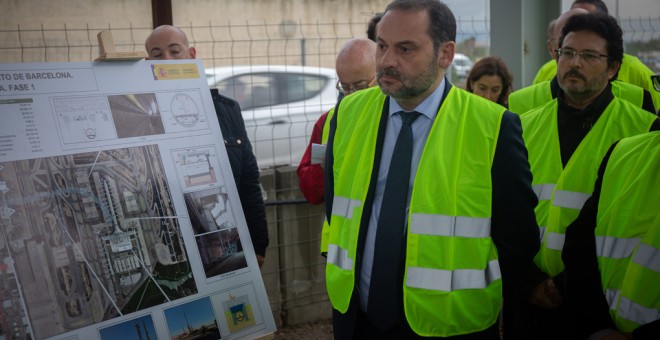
(193, 52)
(611, 70)
(549, 45)
(446, 54)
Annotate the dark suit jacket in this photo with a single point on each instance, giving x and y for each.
(513, 229)
(244, 168)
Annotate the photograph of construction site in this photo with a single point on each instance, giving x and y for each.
(214, 225)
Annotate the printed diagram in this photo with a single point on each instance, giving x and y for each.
(238, 312)
(196, 166)
(184, 110)
(193, 320)
(83, 119)
(215, 230)
(90, 236)
(136, 115)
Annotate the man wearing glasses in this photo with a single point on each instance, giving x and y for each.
(541, 92)
(566, 139)
(356, 70)
(632, 70)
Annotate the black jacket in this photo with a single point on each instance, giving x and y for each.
(243, 167)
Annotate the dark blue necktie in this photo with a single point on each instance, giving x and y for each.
(385, 288)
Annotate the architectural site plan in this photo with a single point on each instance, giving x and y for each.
(119, 216)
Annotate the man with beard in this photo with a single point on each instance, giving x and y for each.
(428, 194)
(539, 93)
(567, 138)
(632, 70)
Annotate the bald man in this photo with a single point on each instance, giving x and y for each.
(170, 42)
(549, 69)
(356, 70)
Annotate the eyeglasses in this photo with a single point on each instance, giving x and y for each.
(347, 89)
(656, 82)
(587, 57)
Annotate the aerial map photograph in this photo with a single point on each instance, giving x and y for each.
(88, 237)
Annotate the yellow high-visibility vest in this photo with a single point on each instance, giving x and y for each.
(452, 283)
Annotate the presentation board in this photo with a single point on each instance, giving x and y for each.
(119, 215)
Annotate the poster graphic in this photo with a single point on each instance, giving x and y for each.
(238, 312)
(196, 166)
(119, 217)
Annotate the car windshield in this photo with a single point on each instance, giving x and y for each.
(462, 62)
(258, 90)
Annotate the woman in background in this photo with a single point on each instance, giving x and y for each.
(490, 78)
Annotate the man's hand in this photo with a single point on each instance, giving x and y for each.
(545, 295)
(618, 336)
(260, 260)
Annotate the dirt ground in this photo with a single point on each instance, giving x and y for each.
(318, 330)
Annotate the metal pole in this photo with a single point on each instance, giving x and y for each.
(302, 52)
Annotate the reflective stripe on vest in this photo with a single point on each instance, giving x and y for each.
(339, 257)
(612, 297)
(629, 310)
(637, 313)
(555, 241)
(443, 225)
(543, 191)
(569, 199)
(614, 247)
(344, 207)
(648, 257)
(451, 280)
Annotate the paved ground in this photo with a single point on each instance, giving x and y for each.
(318, 330)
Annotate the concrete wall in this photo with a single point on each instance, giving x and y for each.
(294, 270)
(229, 32)
(251, 11)
(33, 13)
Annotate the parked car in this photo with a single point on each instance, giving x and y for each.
(462, 65)
(280, 105)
